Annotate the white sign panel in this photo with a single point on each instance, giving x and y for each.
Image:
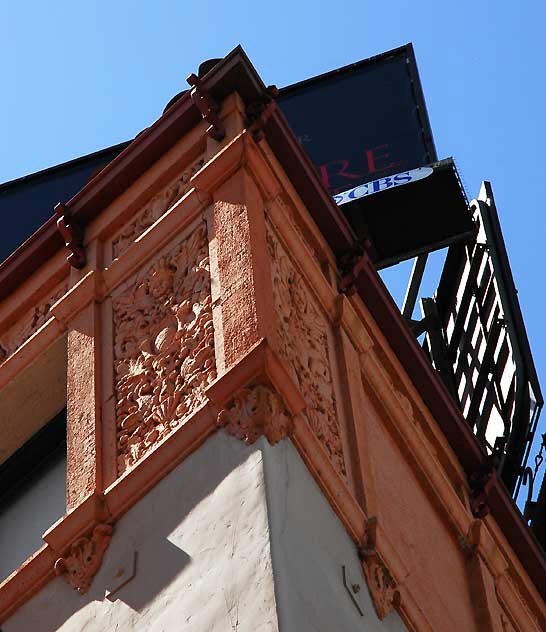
(375, 186)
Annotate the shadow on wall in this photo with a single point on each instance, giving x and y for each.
(159, 530)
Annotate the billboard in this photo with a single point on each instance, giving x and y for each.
(492, 377)
(362, 122)
(27, 203)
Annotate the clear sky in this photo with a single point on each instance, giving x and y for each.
(80, 76)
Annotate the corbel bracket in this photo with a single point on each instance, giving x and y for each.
(351, 265)
(254, 411)
(208, 107)
(481, 483)
(258, 112)
(84, 558)
(382, 586)
(483, 479)
(72, 234)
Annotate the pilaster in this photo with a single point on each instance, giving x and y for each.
(84, 453)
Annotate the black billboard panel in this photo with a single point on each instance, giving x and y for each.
(27, 203)
(363, 121)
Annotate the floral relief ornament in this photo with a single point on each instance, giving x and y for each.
(29, 324)
(253, 412)
(303, 342)
(155, 209)
(81, 565)
(164, 347)
(381, 584)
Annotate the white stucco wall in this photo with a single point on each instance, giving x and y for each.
(204, 560)
(235, 539)
(309, 547)
(23, 520)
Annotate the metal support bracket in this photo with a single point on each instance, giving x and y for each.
(414, 284)
(354, 588)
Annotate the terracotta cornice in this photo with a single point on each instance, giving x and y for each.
(22, 263)
(235, 73)
(75, 531)
(26, 581)
(261, 365)
(450, 420)
(30, 350)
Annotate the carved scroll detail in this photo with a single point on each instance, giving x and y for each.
(381, 584)
(155, 209)
(303, 344)
(505, 622)
(253, 412)
(72, 232)
(163, 347)
(85, 558)
(28, 324)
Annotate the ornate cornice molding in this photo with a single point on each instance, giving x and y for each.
(255, 411)
(73, 235)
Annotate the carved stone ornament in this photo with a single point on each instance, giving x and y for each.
(303, 343)
(72, 233)
(208, 107)
(253, 412)
(85, 558)
(506, 625)
(156, 208)
(163, 347)
(29, 323)
(381, 585)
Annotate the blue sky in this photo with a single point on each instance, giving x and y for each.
(81, 76)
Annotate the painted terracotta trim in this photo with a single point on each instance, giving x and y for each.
(441, 487)
(263, 365)
(26, 581)
(25, 355)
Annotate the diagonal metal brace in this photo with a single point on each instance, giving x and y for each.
(208, 107)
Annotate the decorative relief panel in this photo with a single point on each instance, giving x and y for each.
(85, 558)
(382, 586)
(28, 324)
(253, 412)
(155, 209)
(163, 347)
(286, 205)
(303, 343)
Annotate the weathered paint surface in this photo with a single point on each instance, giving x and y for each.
(204, 562)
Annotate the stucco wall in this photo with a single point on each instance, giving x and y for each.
(309, 547)
(203, 556)
(23, 520)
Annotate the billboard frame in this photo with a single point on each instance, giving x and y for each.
(408, 52)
